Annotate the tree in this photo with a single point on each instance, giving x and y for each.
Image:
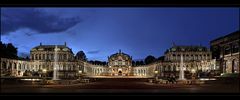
(137, 63)
(104, 63)
(160, 58)
(133, 63)
(27, 58)
(141, 62)
(8, 50)
(81, 56)
(149, 59)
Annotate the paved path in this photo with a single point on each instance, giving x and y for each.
(121, 86)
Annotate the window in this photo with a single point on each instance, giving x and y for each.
(44, 56)
(40, 57)
(65, 56)
(36, 57)
(227, 50)
(235, 48)
(52, 57)
(32, 57)
(47, 56)
(123, 63)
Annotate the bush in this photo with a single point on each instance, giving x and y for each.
(230, 75)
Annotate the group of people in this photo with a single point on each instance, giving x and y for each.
(172, 79)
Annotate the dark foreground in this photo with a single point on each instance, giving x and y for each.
(123, 86)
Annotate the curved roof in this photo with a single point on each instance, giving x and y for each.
(187, 49)
(119, 53)
(51, 48)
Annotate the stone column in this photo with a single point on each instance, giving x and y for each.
(7, 65)
(12, 68)
(17, 67)
(67, 56)
(1, 65)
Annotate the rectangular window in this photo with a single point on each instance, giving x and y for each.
(44, 56)
(235, 48)
(227, 50)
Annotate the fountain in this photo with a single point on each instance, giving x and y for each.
(181, 71)
(55, 64)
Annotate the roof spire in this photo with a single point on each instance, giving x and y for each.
(173, 44)
(40, 43)
(65, 43)
(120, 51)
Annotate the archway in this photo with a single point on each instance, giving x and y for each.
(234, 66)
(119, 73)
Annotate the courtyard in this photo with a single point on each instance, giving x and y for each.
(124, 85)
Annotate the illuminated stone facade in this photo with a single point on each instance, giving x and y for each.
(196, 58)
(226, 51)
(42, 57)
(120, 64)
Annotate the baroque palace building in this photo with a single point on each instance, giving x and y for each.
(195, 59)
(226, 50)
(43, 58)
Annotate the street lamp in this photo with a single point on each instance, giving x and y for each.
(193, 73)
(156, 74)
(44, 72)
(80, 73)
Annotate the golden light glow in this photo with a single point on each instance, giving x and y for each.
(193, 70)
(44, 70)
(80, 72)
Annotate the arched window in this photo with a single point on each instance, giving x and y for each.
(32, 57)
(173, 57)
(36, 56)
(174, 68)
(178, 57)
(65, 56)
(196, 57)
(187, 57)
(47, 56)
(4, 65)
(15, 66)
(43, 57)
(40, 56)
(52, 57)
(191, 57)
(234, 66)
(199, 57)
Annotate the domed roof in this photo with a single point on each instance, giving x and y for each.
(120, 53)
(81, 56)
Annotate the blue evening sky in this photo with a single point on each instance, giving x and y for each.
(100, 32)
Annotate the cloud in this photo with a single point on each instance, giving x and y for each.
(34, 19)
(93, 52)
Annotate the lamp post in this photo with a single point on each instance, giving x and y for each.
(156, 74)
(44, 75)
(193, 73)
(80, 73)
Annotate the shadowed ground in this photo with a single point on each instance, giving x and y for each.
(124, 86)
